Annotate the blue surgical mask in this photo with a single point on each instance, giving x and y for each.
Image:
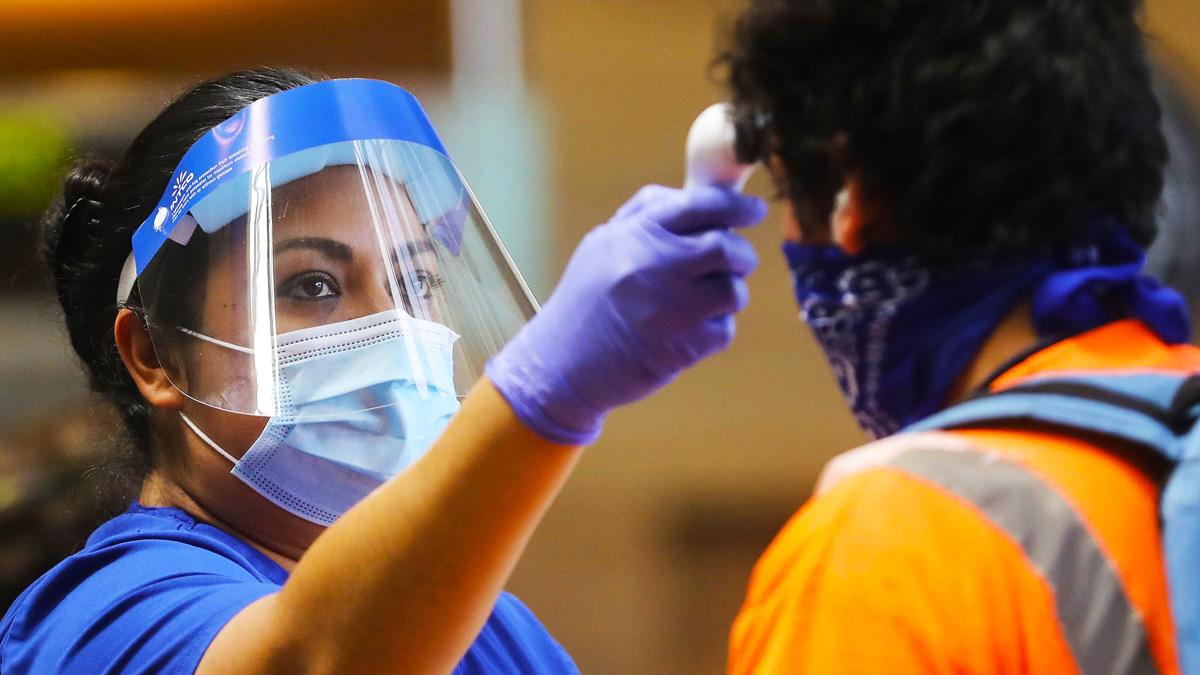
(359, 401)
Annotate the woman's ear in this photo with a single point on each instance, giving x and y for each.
(137, 352)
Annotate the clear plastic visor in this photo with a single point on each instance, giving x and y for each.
(361, 261)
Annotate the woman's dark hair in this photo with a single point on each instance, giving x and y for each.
(989, 127)
(86, 232)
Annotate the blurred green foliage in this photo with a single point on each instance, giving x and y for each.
(33, 151)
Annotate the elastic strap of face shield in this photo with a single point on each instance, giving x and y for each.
(181, 234)
(125, 282)
(125, 289)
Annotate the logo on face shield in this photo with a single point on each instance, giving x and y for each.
(179, 188)
(181, 183)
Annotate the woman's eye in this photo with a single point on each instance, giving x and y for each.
(311, 286)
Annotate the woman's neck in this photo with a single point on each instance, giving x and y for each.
(158, 489)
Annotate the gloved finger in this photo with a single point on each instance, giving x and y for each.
(717, 334)
(647, 195)
(702, 209)
(723, 294)
(698, 342)
(721, 251)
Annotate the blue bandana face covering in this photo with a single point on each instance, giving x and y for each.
(899, 333)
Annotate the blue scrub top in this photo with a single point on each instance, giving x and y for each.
(152, 588)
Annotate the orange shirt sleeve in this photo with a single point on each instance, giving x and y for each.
(886, 573)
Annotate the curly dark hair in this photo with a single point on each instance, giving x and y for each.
(995, 127)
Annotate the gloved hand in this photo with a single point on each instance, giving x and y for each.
(645, 296)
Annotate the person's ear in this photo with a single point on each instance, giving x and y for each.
(137, 352)
(847, 221)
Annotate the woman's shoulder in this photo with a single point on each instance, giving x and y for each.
(139, 572)
(144, 546)
(145, 539)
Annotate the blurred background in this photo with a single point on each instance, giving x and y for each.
(556, 111)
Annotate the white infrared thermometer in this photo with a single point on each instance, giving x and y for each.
(711, 155)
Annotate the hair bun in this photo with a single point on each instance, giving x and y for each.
(66, 222)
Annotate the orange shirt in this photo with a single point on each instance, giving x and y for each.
(886, 571)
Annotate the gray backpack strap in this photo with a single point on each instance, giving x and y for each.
(1154, 411)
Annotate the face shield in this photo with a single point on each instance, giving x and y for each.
(318, 260)
(325, 223)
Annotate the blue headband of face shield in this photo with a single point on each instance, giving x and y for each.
(372, 388)
(211, 186)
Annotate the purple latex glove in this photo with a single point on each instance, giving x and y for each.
(645, 296)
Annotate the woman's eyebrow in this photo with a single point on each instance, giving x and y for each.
(331, 248)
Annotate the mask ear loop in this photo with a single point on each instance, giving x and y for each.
(125, 289)
(215, 341)
(204, 437)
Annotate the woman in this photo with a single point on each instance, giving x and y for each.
(309, 300)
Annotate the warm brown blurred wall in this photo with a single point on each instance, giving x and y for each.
(1174, 29)
(190, 40)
